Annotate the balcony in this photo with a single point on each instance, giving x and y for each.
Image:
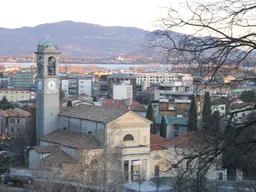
(163, 100)
(182, 101)
(133, 150)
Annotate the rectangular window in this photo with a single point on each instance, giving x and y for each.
(157, 171)
(12, 129)
(18, 129)
(12, 121)
(18, 121)
(176, 131)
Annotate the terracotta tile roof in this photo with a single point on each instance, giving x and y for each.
(156, 142)
(113, 103)
(3, 113)
(119, 104)
(14, 89)
(17, 112)
(93, 113)
(188, 139)
(138, 107)
(60, 157)
(73, 139)
(46, 149)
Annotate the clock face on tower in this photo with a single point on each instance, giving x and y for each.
(51, 85)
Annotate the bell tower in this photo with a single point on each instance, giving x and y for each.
(47, 100)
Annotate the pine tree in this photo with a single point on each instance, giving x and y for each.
(216, 122)
(192, 119)
(4, 103)
(206, 113)
(163, 127)
(150, 116)
(69, 103)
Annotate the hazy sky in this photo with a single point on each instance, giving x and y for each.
(137, 13)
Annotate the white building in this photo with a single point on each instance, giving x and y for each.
(146, 79)
(85, 86)
(76, 85)
(122, 91)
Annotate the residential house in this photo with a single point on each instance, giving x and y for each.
(176, 126)
(15, 122)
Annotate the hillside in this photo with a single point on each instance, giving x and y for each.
(74, 39)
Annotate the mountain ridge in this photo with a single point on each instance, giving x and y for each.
(74, 39)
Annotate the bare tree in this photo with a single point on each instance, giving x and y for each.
(220, 37)
(220, 33)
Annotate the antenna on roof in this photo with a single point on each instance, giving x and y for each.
(47, 37)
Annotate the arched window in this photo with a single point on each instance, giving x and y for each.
(156, 157)
(51, 66)
(128, 137)
(94, 162)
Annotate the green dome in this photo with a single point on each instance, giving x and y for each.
(47, 43)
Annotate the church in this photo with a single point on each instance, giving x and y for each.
(99, 146)
(86, 142)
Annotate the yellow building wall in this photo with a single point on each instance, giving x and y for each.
(161, 158)
(130, 123)
(15, 95)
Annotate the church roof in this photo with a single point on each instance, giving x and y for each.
(47, 43)
(73, 140)
(46, 149)
(60, 157)
(93, 113)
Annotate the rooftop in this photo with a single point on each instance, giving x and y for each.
(93, 113)
(60, 157)
(73, 139)
(120, 104)
(121, 76)
(47, 43)
(16, 112)
(170, 120)
(188, 139)
(14, 89)
(46, 149)
(156, 142)
(176, 93)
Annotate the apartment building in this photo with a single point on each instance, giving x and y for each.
(121, 78)
(23, 80)
(122, 91)
(172, 103)
(146, 79)
(16, 94)
(76, 85)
